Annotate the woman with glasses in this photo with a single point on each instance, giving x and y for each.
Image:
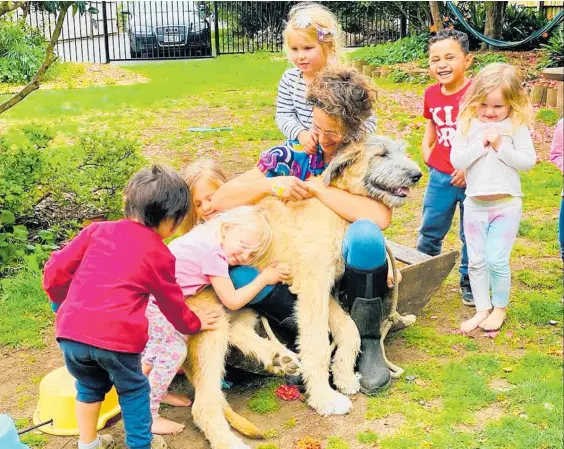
(342, 100)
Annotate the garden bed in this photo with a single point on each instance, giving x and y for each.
(72, 75)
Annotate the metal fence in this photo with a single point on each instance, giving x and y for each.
(247, 26)
(128, 30)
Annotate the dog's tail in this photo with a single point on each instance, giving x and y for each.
(242, 425)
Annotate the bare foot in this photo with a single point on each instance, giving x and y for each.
(163, 426)
(474, 322)
(176, 400)
(495, 320)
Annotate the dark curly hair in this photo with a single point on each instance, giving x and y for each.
(458, 36)
(345, 94)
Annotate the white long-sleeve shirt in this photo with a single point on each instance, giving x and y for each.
(490, 172)
(293, 112)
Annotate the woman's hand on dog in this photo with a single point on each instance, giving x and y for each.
(290, 188)
(275, 273)
(209, 318)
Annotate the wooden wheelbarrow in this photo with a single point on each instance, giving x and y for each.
(422, 276)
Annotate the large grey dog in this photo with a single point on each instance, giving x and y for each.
(308, 237)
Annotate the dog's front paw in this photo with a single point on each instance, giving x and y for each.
(330, 403)
(285, 362)
(347, 383)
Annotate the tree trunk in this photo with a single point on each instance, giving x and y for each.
(49, 59)
(26, 9)
(437, 19)
(494, 20)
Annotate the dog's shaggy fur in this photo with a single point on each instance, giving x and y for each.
(309, 237)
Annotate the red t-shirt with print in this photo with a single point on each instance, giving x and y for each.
(443, 111)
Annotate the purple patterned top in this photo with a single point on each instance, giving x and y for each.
(286, 160)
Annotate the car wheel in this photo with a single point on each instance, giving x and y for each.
(135, 54)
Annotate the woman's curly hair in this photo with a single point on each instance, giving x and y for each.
(345, 94)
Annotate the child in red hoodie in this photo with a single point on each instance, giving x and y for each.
(102, 281)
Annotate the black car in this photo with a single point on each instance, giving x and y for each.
(167, 29)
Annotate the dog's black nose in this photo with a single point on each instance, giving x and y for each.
(415, 176)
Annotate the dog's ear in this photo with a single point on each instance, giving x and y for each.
(344, 159)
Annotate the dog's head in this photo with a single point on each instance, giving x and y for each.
(376, 167)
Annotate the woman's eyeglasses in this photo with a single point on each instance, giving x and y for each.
(330, 135)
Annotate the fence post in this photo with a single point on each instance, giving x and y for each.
(216, 27)
(403, 26)
(106, 40)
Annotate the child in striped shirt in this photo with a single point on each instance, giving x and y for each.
(312, 42)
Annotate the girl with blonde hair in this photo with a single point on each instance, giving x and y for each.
(203, 177)
(492, 144)
(312, 41)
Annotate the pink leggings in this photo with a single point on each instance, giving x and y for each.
(165, 351)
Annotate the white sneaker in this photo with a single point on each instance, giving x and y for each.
(107, 441)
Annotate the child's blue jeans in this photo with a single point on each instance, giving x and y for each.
(364, 248)
(439, 205)
(96, 370)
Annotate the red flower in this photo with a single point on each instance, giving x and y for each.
(288, 392)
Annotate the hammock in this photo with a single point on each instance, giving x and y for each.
(502, 44)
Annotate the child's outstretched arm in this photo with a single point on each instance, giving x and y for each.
(61, 266)
(520, 154)
(286, 118)
(428, 140)
(235, 299)
(463, 152)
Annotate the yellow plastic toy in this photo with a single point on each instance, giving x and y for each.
(57, 400)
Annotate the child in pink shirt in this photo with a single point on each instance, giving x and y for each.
(557, 158)
(240, 236)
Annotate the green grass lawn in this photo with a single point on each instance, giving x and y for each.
(461, 392)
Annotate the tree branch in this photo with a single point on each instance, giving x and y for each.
(6, 7)
(49, 59)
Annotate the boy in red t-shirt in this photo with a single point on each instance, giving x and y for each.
(449, 58)
(102, 281)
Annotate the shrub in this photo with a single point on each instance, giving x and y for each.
(22, 51)
(401, 76)
(404, 50)
(45, 192)
(92, 174)
(22, 169)
(555, 48)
